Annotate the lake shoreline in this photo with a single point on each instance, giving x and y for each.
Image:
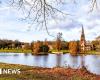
(40, 73)
(98, 53)
(51, 52)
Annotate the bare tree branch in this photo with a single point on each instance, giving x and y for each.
(41, 11)
(93, 5)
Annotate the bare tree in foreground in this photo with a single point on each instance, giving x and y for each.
(94, 4)
(41, 11)
(38, 11)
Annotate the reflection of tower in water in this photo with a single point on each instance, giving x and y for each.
(82, 61)
(74, 62)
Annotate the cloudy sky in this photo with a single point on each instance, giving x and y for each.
(11, 26)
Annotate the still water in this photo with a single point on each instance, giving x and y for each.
(90, 62)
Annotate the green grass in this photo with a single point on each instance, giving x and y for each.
(64, 51)
(93, 52)
(15, 51)
(51, 51)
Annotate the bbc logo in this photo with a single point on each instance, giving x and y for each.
(10, 71)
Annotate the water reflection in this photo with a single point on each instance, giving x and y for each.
(58, 60)
(26, 54)
(74, 61)
(90, 62)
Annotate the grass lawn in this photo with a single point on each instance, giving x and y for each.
(93, 52)
(51, 51)
(15, 51)
(64, 51)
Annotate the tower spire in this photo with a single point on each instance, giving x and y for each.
(82, 40)
(82, 34)
(82, 29)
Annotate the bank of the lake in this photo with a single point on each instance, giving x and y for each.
(39, 73)
(29, 51)
(51, 51)
(15, 51)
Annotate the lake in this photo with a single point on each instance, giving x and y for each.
(90, 62)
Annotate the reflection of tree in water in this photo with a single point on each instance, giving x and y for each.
(40, 61)
(36, 60)
(58, 60)
(92, 63)
(74, 62)
(26, 54)
(16, 55)
(45, 60)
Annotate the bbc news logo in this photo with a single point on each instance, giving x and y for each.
(10, 71)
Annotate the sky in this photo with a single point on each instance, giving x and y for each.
(12, 27)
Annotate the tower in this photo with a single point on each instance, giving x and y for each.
(82, 41)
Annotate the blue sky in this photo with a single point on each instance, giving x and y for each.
(11, 27)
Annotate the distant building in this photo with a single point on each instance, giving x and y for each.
(82, 41)
(50, 47)
(97, 43)
(89, 46)
(98, 38)
(84, 45)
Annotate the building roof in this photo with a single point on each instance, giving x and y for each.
(98, 38)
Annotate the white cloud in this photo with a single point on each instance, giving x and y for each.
(12, 28)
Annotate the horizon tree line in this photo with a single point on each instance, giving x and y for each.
(58, 44)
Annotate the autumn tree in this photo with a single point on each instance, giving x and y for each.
(17, 44)
(64, 45)
(45, 42)
(5, 43)
(58, 42)
(96, 45)
(39, 46)
(32, 46)
(74, 47)
(67, 45)
(44, 48)
(36, 48)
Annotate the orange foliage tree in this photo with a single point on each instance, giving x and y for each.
(74, 47)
